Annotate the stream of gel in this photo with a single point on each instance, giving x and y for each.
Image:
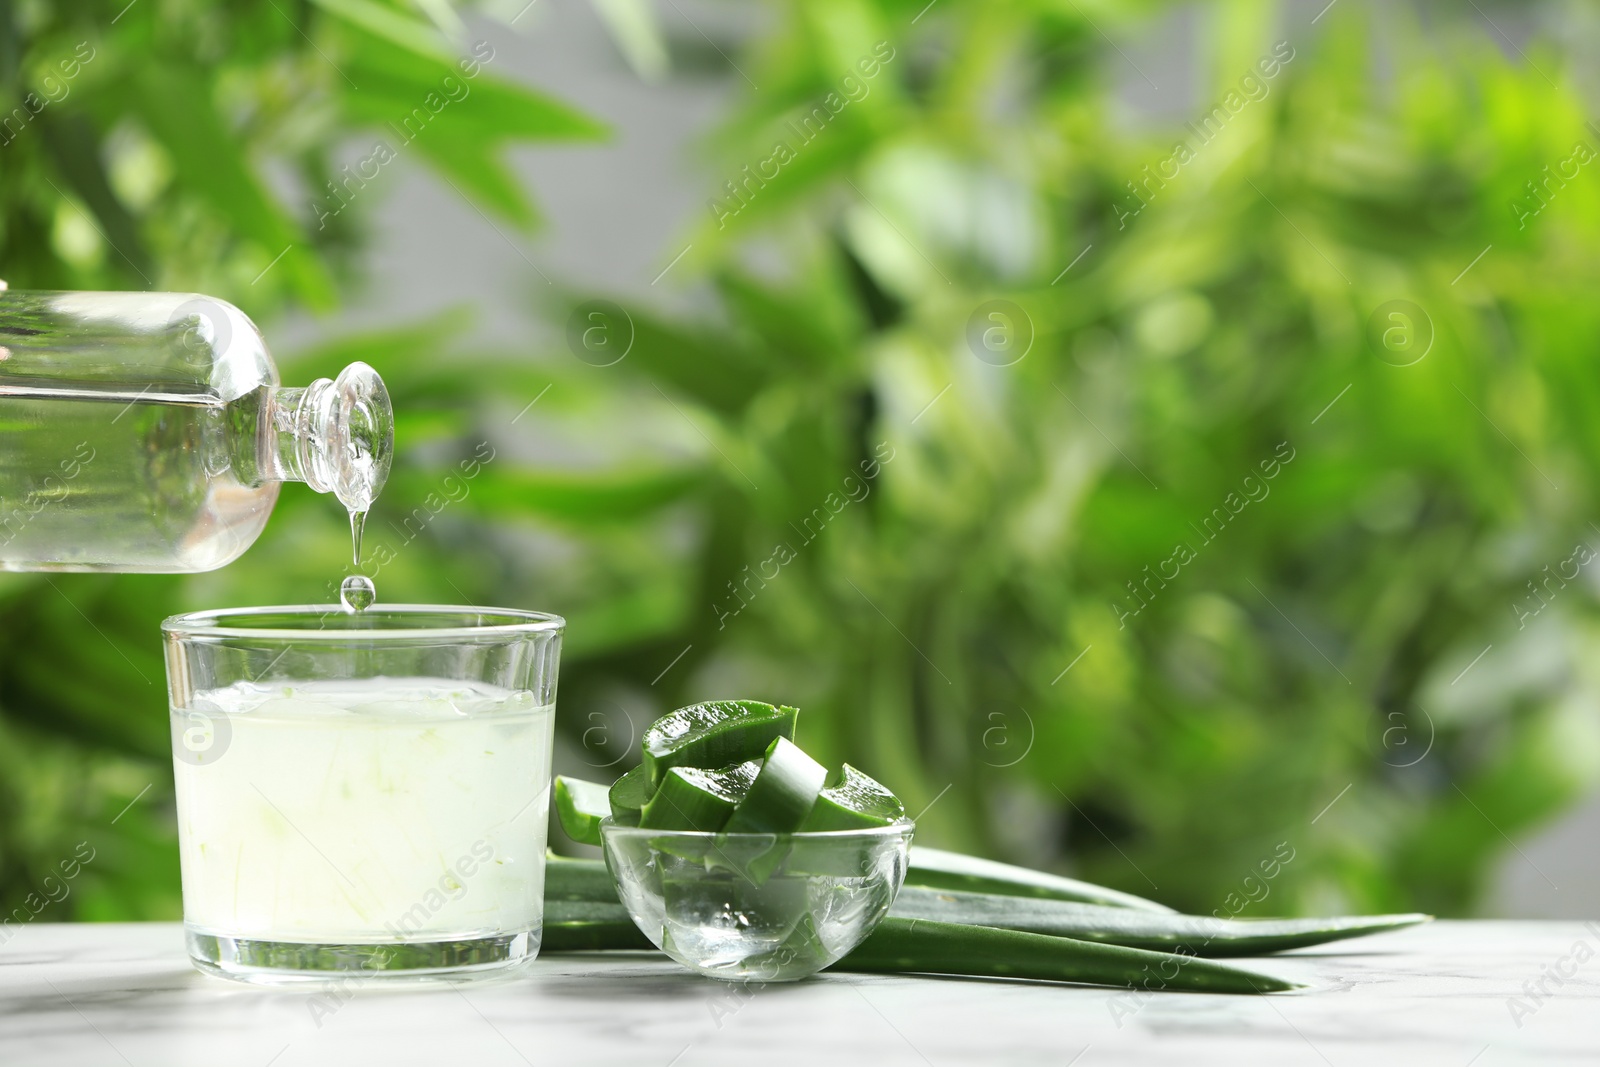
(356, 593)
(358, 522)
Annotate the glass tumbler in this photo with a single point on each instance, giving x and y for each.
(362, 794)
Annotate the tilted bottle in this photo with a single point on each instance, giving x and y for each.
(148, 432)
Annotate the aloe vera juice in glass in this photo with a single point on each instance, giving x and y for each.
(362, 791)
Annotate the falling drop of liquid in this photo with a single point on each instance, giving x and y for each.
(357, 593)
(358, 521)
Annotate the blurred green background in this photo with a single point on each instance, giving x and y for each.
(1136, 464)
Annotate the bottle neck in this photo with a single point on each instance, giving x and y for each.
(336, 435)
(288, 440)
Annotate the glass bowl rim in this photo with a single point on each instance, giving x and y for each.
(454, 623)
(611, 828)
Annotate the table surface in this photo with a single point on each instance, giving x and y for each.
(1450, 993)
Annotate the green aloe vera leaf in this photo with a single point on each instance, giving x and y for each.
(693, 798)
(922, 946)
(572, 878)
(587, 926)
(1189, 934)
(581, 806)
(583, 881)
(628, 796)
(938, 869)
(1203, 936)
(782, 794)
(715, 734)
(851, 800)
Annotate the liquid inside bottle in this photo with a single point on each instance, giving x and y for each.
(149, 432)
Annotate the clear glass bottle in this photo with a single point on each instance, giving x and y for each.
(148, 432)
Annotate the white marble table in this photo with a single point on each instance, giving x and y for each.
(1443, 994)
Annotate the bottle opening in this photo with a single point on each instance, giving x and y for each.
(336, 435)
(352, 437)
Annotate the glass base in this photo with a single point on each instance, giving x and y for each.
(312, 963)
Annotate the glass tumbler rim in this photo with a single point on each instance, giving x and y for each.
(310, 624)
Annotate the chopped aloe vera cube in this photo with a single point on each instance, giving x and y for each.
(581, 805)
(692, 798)
(853, 801)
(782, 795)
(720, 733)
(629, 794)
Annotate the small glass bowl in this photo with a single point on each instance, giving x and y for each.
(757, 907)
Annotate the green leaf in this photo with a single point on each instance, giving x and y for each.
(389, 25)
(472, 170)
(650, 613)
(581, 806)
(706, 365)
(637, 33)
(175, 103)
(73, 144)
(407, 348)
(458, 96)
(791, 326)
